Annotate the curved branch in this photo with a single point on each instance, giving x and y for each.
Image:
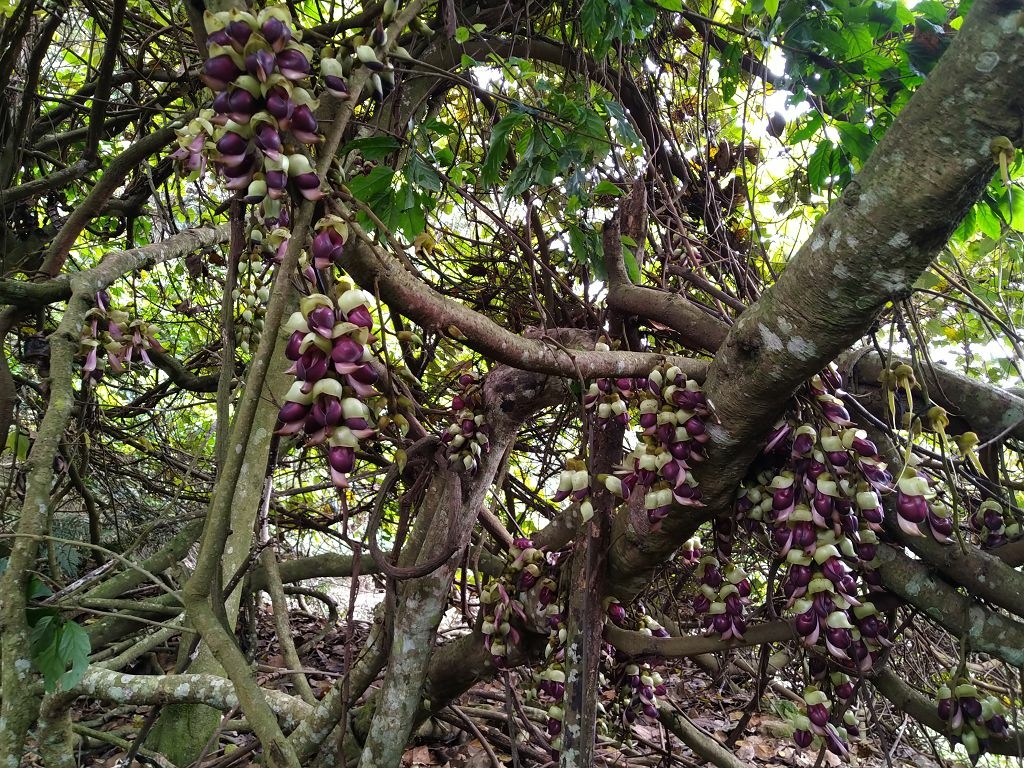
(700, 741)
(985, 630)
(114, 265)
(374, 269)
(212, 690)
(639, 644)
(114, 175)
(922, 709)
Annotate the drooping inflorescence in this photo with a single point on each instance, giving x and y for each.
(112, 338)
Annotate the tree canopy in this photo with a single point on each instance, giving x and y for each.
(613, 339)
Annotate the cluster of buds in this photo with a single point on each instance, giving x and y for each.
(971, 718)
(500, 607)
(467, 435)
(989, 522)
(121, 339)
(574, 484)
(334, 375)
(372, 51)
(528, 580)
(815, 726)
(724, 593)
(638, 695)
(898, 382)
(250, 297)
(609, 398)
(256, 66)
(672, 437)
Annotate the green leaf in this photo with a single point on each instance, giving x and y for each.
(373, 184)
(771, 7)
(856, 140)
(372, 147)
(422, 175)
(670, 5)
(987, 220)
(461, 35)
(820, 166)
(592, 17)
(489, 171)
(587, 248)
(632, 268)
(606, 187)
(36, 589)
(623, 127)
(73, 648)
(928, 279)
(19, 442)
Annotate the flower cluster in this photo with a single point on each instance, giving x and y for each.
(334, 373)
(250, 297)
(500, 607)
(467, 435)
(609, 398)
(121, 339)
(574, 484)
(256, 67)
(691, 552)
(672, 437)
(821, 509)
(724, 593)
(639, 692)
(816, 723)
(329, 242)
(972, 719)
(989, 522)
(916, 504)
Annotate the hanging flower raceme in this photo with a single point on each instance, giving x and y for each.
(467, 436)
(609, 398)
(672, 438)
(971, 717)
(724, 593)
(815, 725)
(250, 296)
(110, 337)
(989, 522)
(334, 372)
(574, 484)
(820, 503)
(256, 66)
(641, 687)
(528, 579)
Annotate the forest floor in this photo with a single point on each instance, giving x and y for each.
(717, 706)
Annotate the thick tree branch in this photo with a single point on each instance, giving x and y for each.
(869, 248)
(922, 708)
(985, 630)
(214, 691)
(992, 413)
(374, 269)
